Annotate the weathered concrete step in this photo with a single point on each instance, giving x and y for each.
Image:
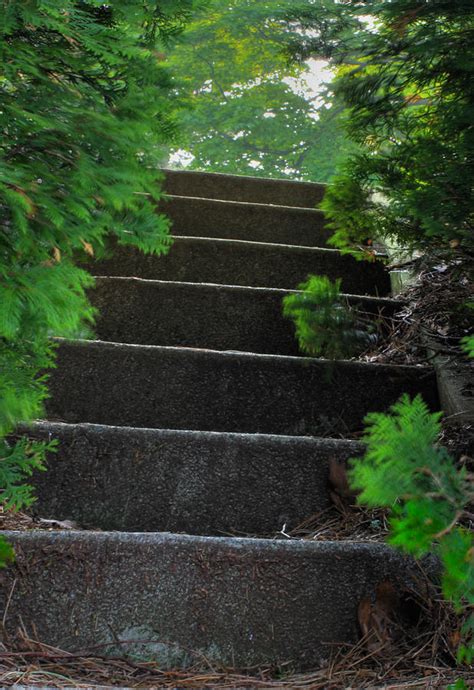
(182, 388)
(219, 317)
(236, 601)
(242, 188)
(254, 264)
(232, 220)
(142, 480)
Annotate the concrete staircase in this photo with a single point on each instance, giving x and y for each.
(194, 417)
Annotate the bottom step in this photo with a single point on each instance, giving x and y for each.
(164, 597)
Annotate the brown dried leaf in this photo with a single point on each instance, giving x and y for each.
(57, 255)
(387, 599)
(339, 502)
(377, 620)
(364, 616)
(88, 248)
(340, 492)
(338, 478)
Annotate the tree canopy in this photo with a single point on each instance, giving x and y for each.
(249, 111)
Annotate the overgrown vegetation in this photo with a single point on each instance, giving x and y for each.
(405, 77)
(85, 114)
(429, 497)
(250, 109)
(325, 324)
(408, 88)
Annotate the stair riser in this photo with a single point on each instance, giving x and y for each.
(207, 316)
(144, 480)
(245, 263)
(239, 602)
(236, 188)
(252, 222)
(171, 388)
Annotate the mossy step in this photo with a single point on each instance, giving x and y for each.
(219, 317)
(143, 480)
(239, 602)
(195, 217)
(243, 188)
(205, 390)
(253, 264)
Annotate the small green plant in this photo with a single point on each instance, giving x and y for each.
(468, 346)
(7, 555)
(428, 495)
(19, 461)
(325, 324)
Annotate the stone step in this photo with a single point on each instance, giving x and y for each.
(242, 188)
(143, 480)
(219, 317)
(232, 220)
(253, 264)
(239, 602)
(205, 390)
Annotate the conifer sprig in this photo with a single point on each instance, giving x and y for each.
(406, 470)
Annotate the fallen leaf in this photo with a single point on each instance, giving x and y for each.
(387, 598)
(338, 477)
(88, 248)
(364, 613)
(378, 619)
(341, 493)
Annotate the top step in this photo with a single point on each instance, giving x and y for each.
(257, 190)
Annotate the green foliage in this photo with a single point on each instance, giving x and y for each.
(404, 470)
(407, 83)
(18, 462)
(458, 685)
(86, 115)
(7, 555)
(245, 115)
(468, 345)
(325, 324)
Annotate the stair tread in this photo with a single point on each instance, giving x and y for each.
(242, 600)
(197, 482)
(147, 385)
(243, 220)
(240, 262)
(206, 315)
(244, 188)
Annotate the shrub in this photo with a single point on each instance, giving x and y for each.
(406, 471)
(410, 98)
(86, 109)
(325, 324)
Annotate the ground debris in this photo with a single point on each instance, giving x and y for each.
(337, 523)
(436, 311)
(22, 521)
(423, 657)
